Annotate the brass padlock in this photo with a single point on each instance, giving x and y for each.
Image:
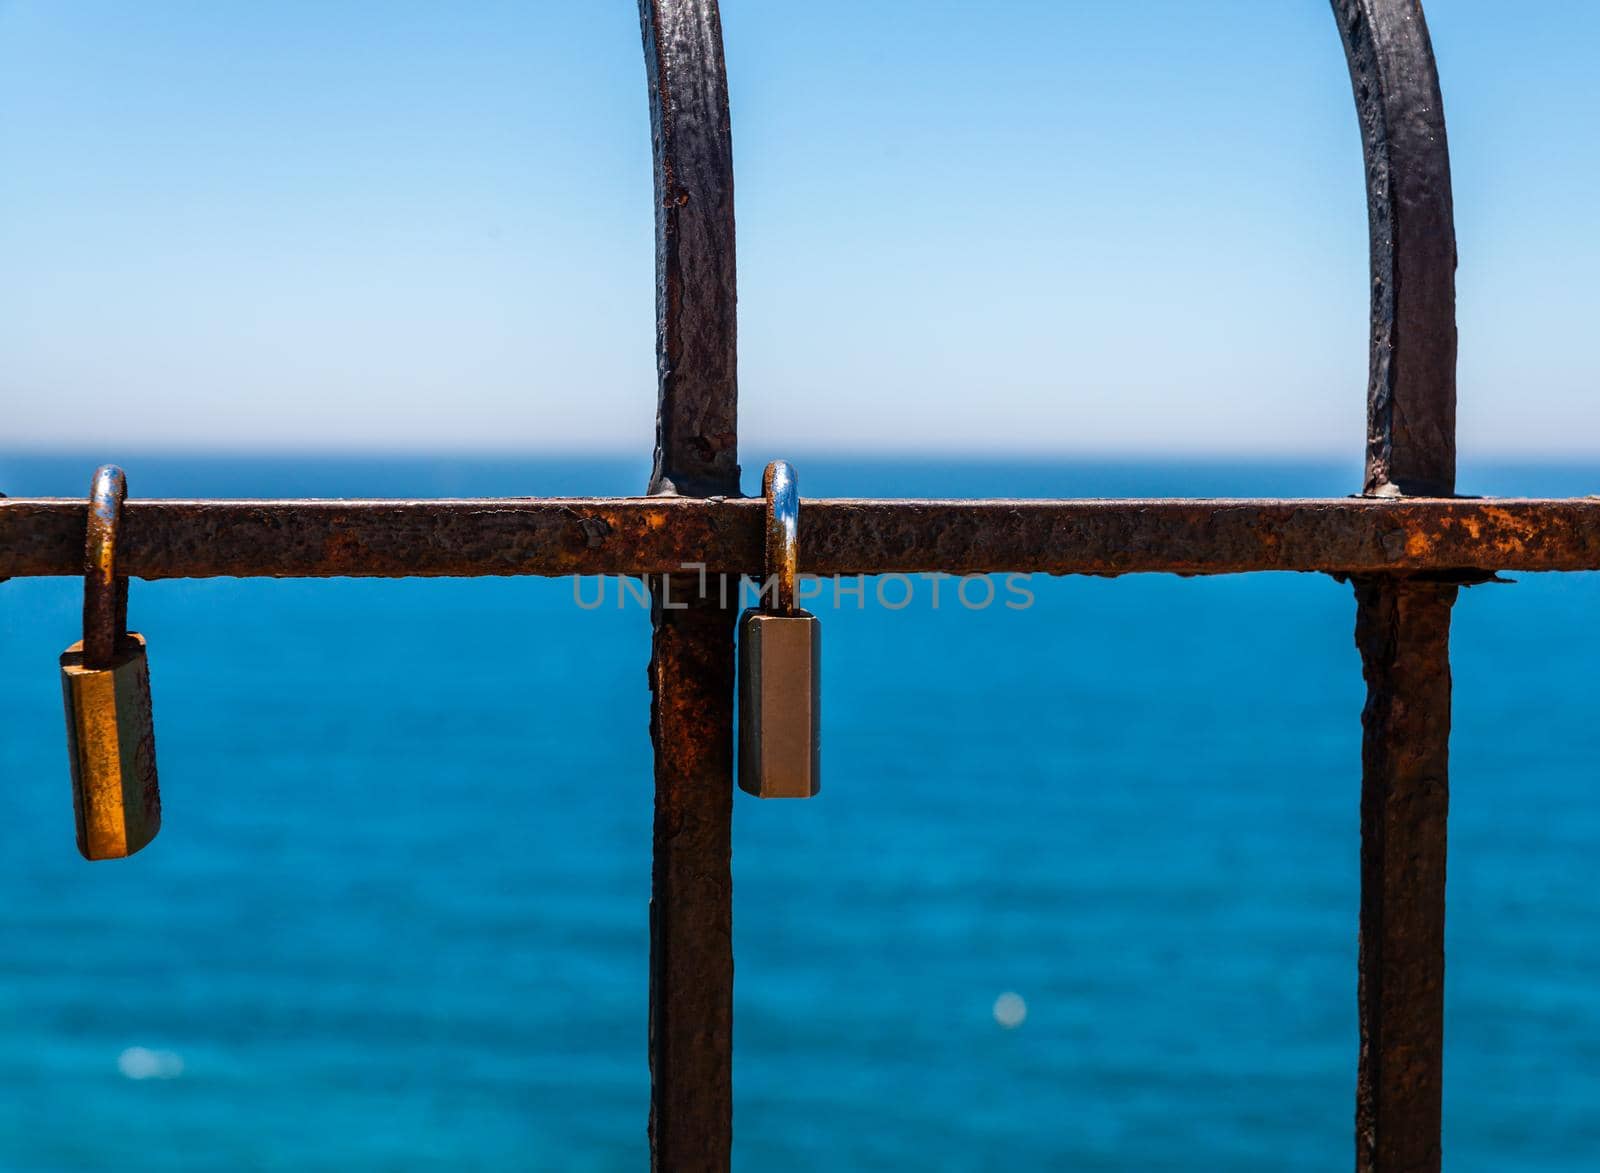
(105, 681)
(780, 663)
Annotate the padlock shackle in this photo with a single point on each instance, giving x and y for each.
(105, 596)
(781, 487)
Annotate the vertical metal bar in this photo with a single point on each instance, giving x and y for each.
(1403, 626)
(692, 655)
(1403, 631)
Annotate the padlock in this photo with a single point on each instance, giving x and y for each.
(780, 663)
(105, 681)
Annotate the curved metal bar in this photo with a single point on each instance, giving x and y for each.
(691, 662)
(1403, 628)
(696, 290)
(1411, 390)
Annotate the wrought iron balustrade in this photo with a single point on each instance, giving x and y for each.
(1407, 543)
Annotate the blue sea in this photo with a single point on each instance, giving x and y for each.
(1080, 891)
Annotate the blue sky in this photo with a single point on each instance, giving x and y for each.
(1082, 227)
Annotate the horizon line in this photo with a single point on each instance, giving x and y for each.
(824, 452)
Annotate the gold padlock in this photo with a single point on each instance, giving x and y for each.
(780, 663)
(105, 681)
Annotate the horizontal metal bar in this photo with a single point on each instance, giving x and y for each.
(561, 536)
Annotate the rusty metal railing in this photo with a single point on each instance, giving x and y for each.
(1408, 544)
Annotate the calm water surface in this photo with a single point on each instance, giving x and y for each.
(397, 915)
